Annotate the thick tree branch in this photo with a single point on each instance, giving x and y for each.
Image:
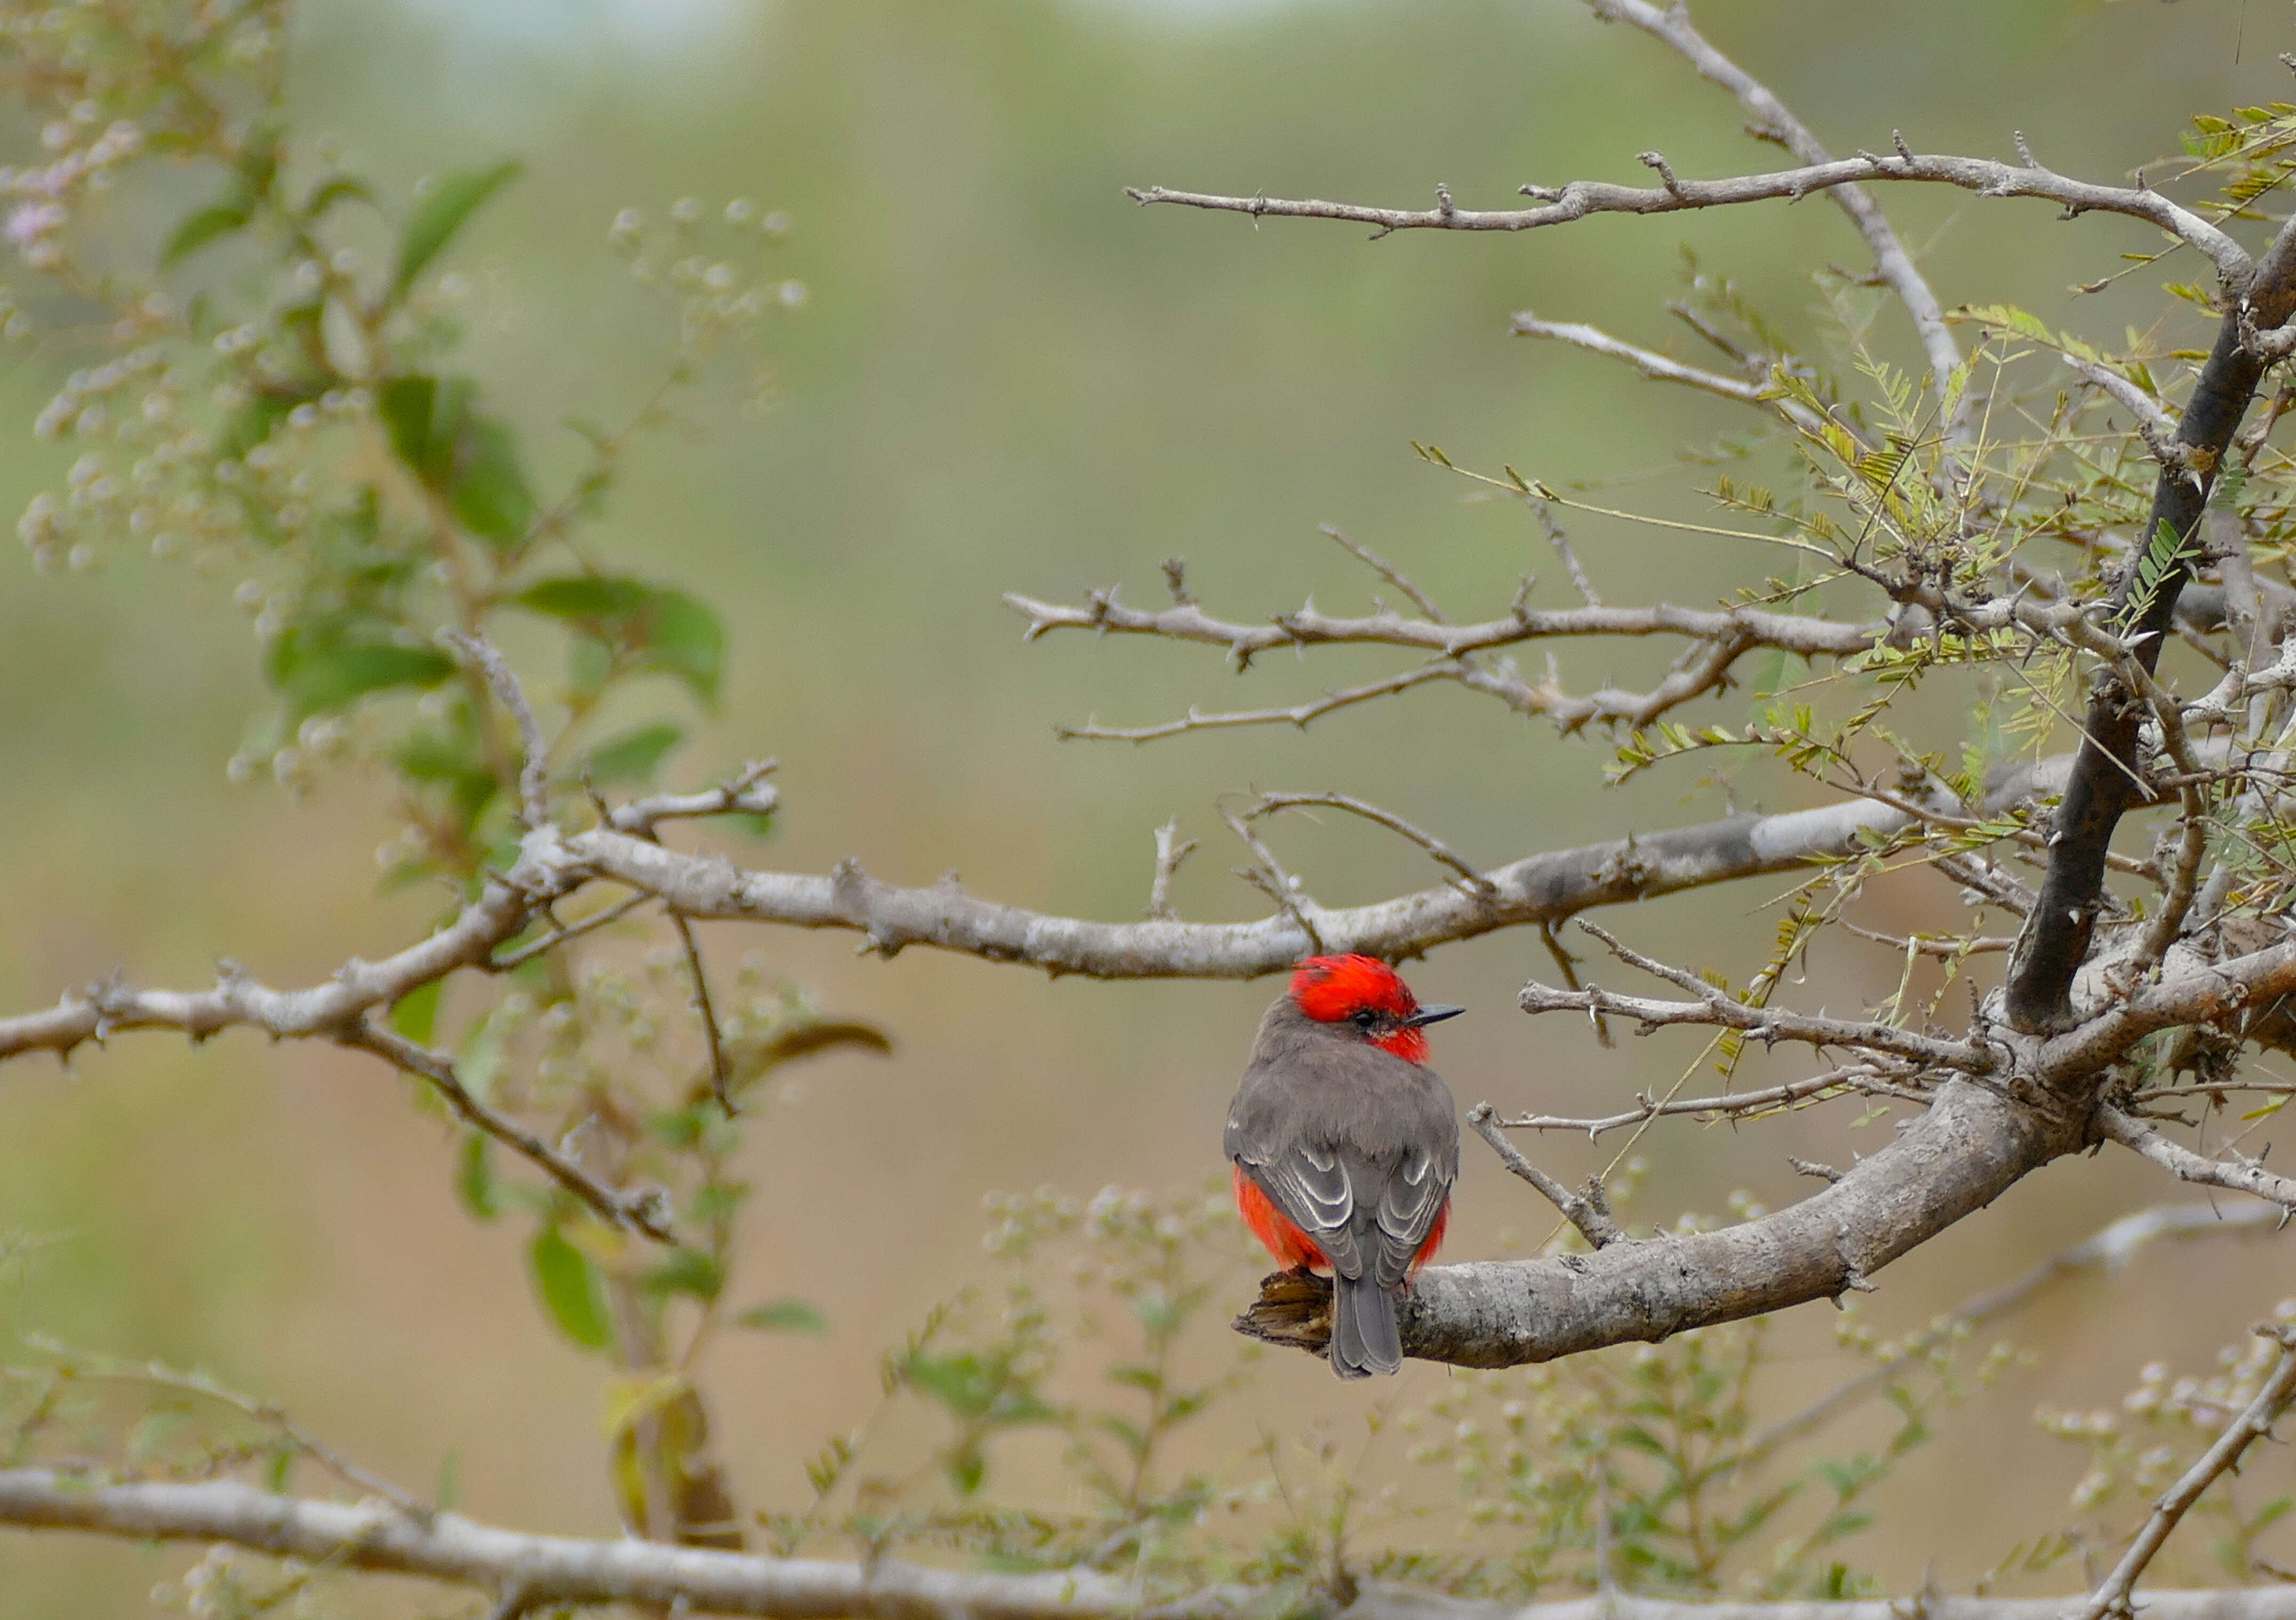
(552, 1570)
(2103, 787)
(1540, 889)
(1969, 1147)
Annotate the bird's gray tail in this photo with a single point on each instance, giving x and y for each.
(1364, 1337)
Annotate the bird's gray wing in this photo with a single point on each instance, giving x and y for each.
(1315, 1189)
(1418, 1184)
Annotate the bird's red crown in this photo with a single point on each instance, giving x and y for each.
(1332, 989)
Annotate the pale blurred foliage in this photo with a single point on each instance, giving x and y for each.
(1004, 377)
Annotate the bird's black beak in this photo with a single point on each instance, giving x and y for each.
(1431, 1015)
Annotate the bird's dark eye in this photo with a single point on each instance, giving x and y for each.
(1366, 1018)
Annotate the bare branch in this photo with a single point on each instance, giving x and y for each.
(1540, 889)
(642, 1209)
(1298, 715)
(1728, 1105)
(1811, 638)
(721, 1078)
(1719, 638)
(1273, 803)
(2157, 427)
(2255, 1421)
(1590, 1215)
(2216, 994)
(550, 941)
(1386, 570)
(1715, 1010)
(1776, 122)
(2235, 1173)
(1580, 199)
(538, 1571)
(1968, 1147)
(1561, 542)
(743, 795)
(1660, 368)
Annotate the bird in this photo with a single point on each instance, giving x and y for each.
(1345, 1145)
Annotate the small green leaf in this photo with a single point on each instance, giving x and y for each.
(486, 485)
(480, 1060)
(437, 216)
(474, 1176)
(416, 1013)
(662, 630)
(334, 189)
(407, 404)
(465, 455)
(586, 596)
(447, 1492)
(684, 640)
(202, 227)
(633, 756)
(317, 670)
(784, 1316)
(687, 1270)
(572, 1289)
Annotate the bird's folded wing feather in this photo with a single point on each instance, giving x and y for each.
(1409, 1204)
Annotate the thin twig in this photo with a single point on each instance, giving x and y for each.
(1589, 1215)
(1729, 1104)
(1273, 803)
(1388, 572)
(721, 1075)
(2237, 1174)
(573, 930)
(2109, 1247)
(1561, 542)
(640, 1210)
(534, 766)
(1267, 874)
(1568, 966)
(2254, 1422)
(1768, 1024)
(1171, 849)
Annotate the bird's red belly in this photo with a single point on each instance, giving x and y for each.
(1292, 1247)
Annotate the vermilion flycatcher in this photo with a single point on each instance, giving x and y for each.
(1346, 1144)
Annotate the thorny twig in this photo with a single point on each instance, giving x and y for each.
(1590, 1213)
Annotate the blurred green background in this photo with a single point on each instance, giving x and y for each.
(1009, 378)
